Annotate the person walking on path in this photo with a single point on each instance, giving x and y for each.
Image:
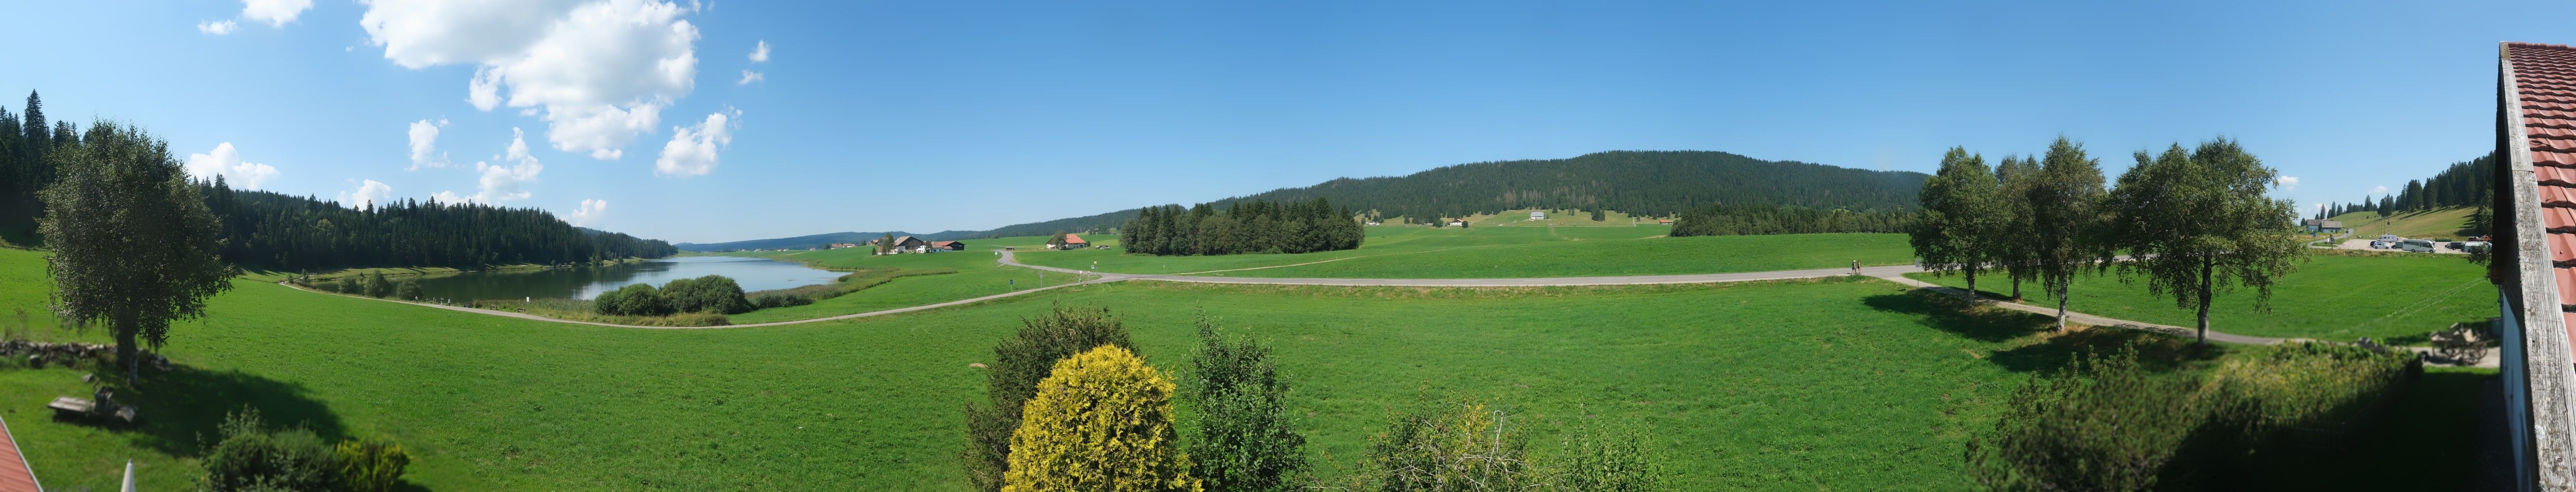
(1855, 267)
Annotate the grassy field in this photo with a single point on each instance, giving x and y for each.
(1839, 385)
(977, 275)
(1507, 252)
(2449, 223)
(2332, 297)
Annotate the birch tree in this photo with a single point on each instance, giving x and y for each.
(134, 245)
(2197, 223)
(2064, 200)
(1960, 219)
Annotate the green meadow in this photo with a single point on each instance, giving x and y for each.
(1834, 384)
(975, 274)
(2336, 297)
(1514, 252)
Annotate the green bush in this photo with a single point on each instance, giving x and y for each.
(251, 457)
(1598, 459)
(1246, 441)
(766, 301)
(376, 286)
(1462, 447)
(709, 294)
(633, 300)
(408, 289)
(2109, 424)
(1018, 364)
(372, 465)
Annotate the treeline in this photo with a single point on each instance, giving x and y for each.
(2190, 222)
(1255, 226)
(1654, 183)
(282, 232)
(265, 230)
(2464, 184)
(25, 138)
(1753, 219)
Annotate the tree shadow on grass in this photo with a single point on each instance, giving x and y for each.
(1944, 310)
(182, 410)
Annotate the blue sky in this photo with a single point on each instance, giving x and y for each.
(926, 116)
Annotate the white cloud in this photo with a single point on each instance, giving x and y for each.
(2287, 183)
(226, 162)
(275, 12)
(424, 143)
(591, 212)
(598, 72)
(218, 28)
(502, 182)
(749, 77)
(2378, 190)
(449, 197)
(692, 150)
(760, 53)
(367, 195)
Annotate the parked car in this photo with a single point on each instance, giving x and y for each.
(2454, 245)
(2378, 245)
(2390, 238)
(2416, 245)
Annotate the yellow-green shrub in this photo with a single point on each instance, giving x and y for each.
(1101, 422)
(373, 465)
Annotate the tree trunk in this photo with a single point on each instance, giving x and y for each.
(126, 351)
(1972, 285)
(2206, 268)
(2061, 306)
(2016, 297)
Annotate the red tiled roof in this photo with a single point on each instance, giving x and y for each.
(1070, 239)
(14, 475)
(2544, 80)
(941, 244)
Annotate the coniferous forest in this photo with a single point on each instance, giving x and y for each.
(1252, 226)
(1650, 183)
(273, 231)
(1752, 219)
(2464, 184)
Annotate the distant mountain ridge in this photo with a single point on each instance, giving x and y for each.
(1636, 182)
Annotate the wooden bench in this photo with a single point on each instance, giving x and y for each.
(72, 407)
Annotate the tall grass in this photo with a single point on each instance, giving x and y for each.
(582, 310)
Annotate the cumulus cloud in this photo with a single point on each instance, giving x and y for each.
(598, 72)
(590, 212)
(2378, 190)
(274, 12)
(692, 150)
(449, 197)
(424, 145)
(760, 53)
(226, 162)
(2287, 183)
(502, 182)
(749, 77)
(218, 28)
(367, 195)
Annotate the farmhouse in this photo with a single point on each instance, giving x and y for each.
(2322, 225)
(2535, 177)
(1074, 241)
(843, 245)
(1537, 215)
(906, 244)
(948, 245)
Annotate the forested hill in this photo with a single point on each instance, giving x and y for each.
(1657, 183)
(798, 242)
(273, 231)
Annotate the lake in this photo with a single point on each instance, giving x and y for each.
(585, 282)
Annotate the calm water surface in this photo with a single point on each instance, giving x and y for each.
(585, 282)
